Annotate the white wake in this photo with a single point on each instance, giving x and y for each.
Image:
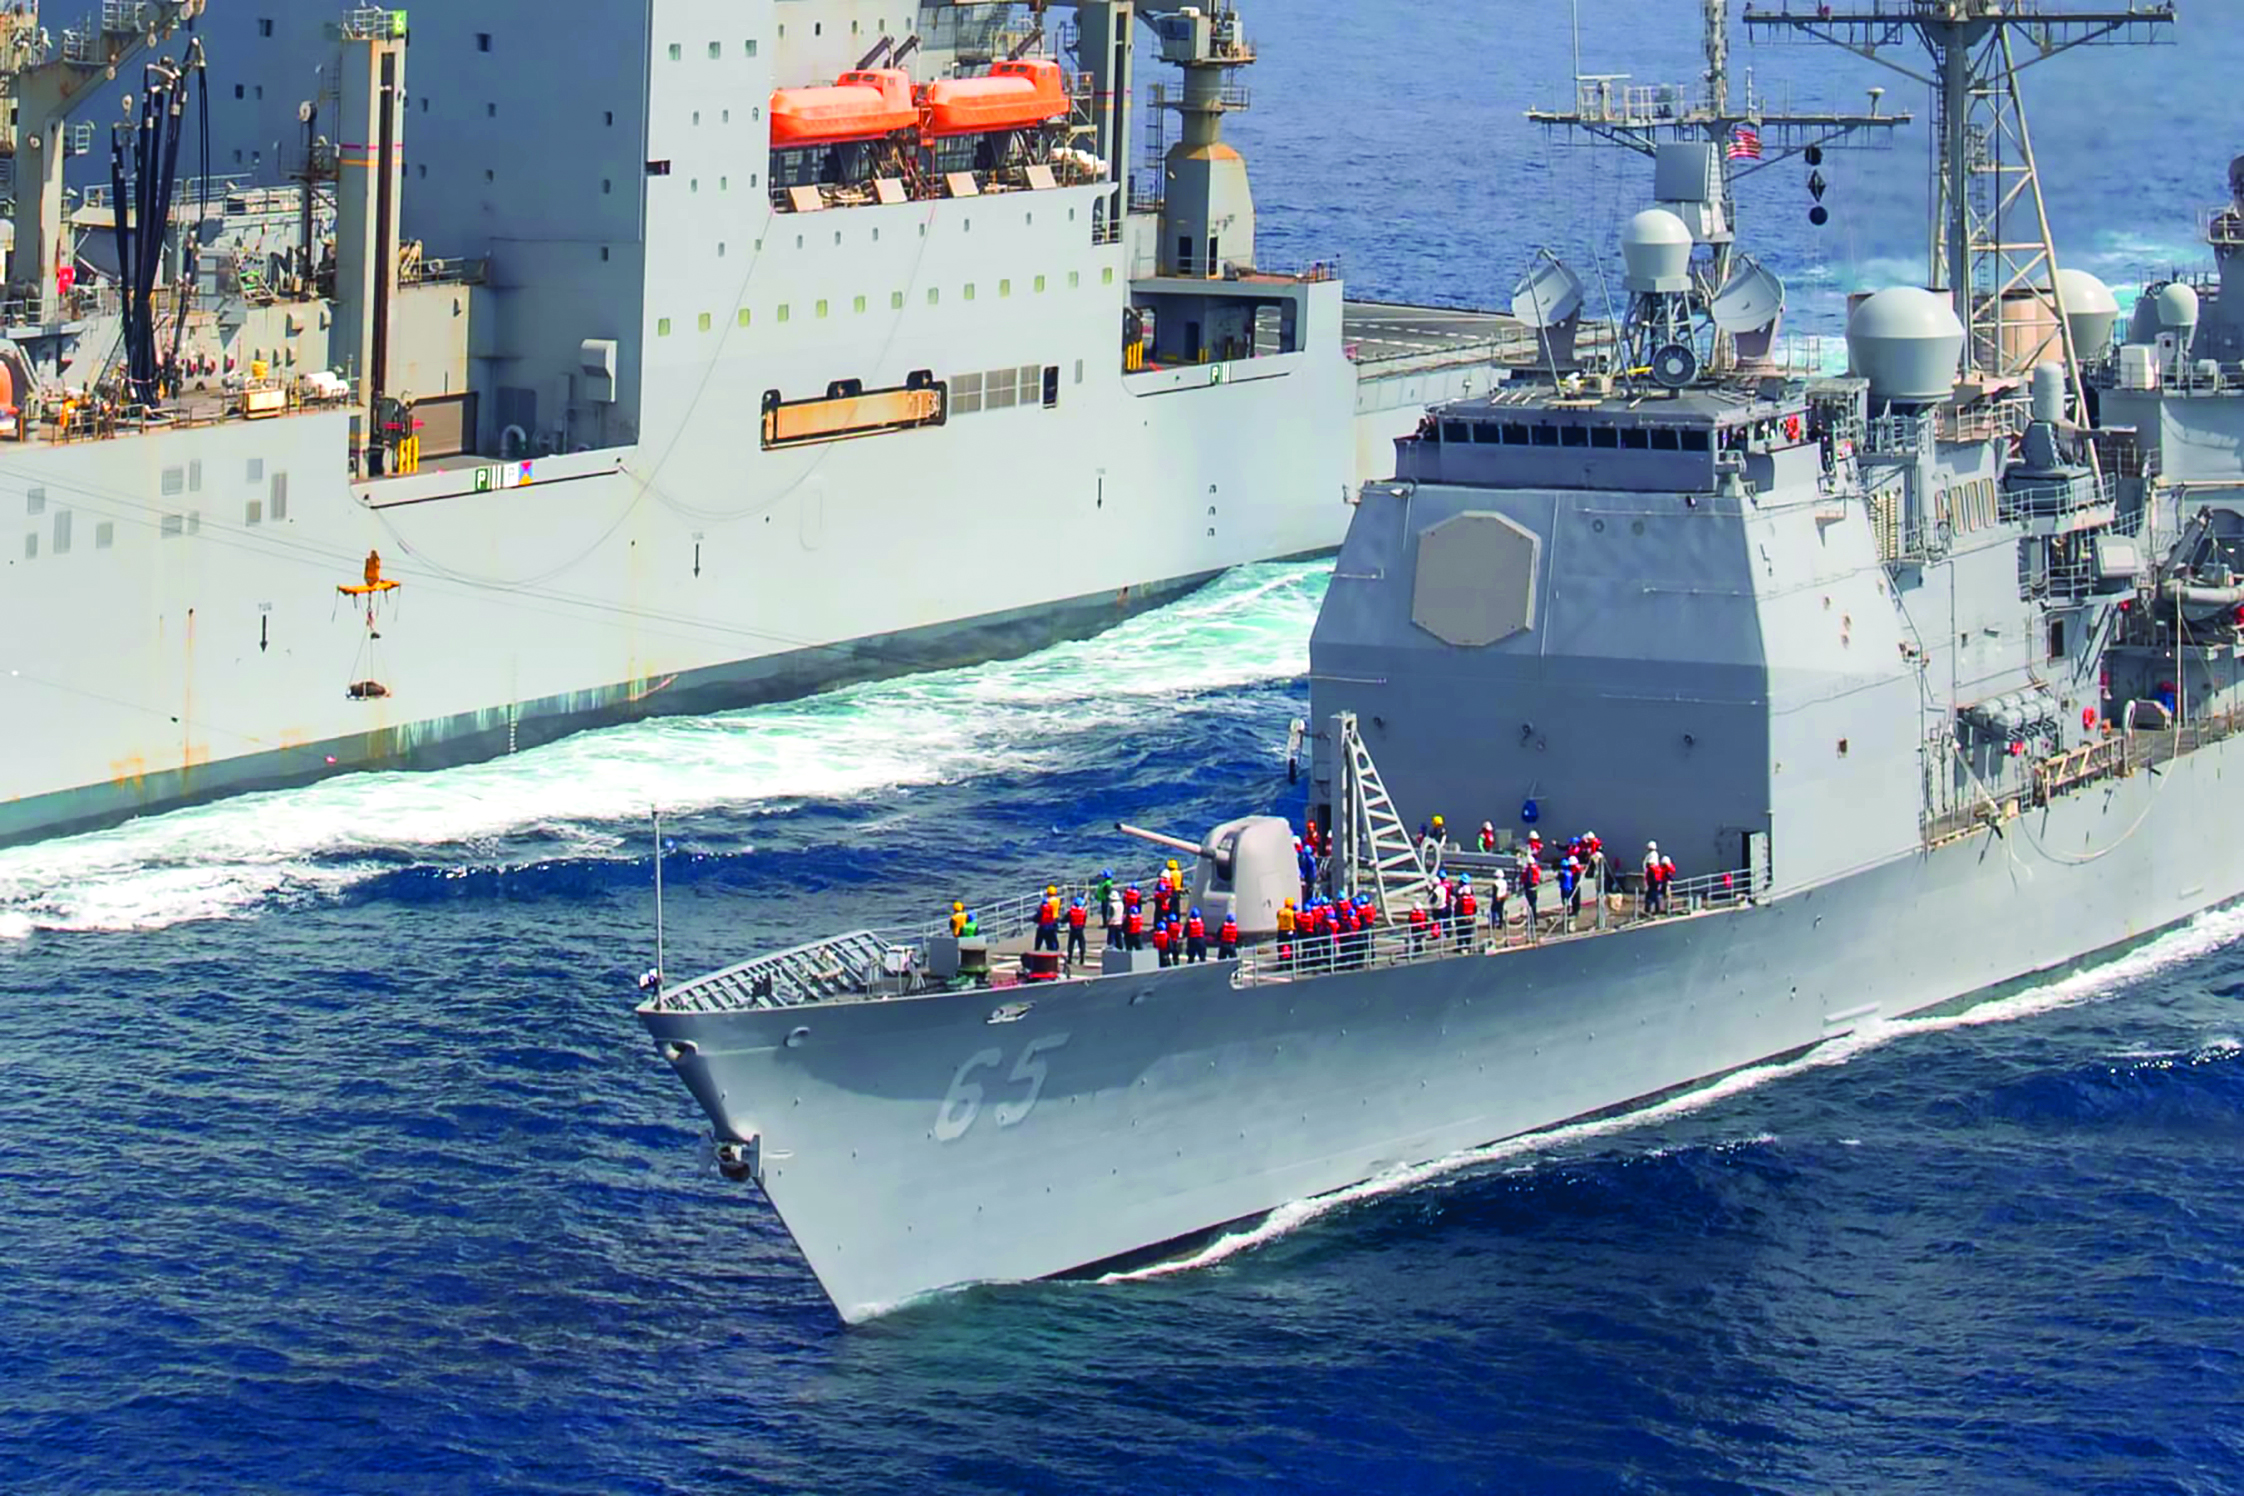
(236, 856)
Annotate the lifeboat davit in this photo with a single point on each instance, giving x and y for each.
(1014, 96)
(863, 105)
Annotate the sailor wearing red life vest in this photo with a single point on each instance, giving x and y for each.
(1161, 943)
(1133, 927)
(1048, 921)
(1418, 924)
(1467, 909)
(1196, 937)
(1078, 948)
(1227, 938)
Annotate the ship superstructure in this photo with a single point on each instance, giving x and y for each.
(503, 394)
(1909, 683)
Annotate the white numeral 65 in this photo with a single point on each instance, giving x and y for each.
(963, 1102)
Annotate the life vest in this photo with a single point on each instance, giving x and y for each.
(1488, 841)
(1532, 876)
(1285, 921)
(1078, 916)
(1131, 898)
(958, 923)
(1229, 934)
(1134, 921)
(1160, 937)
(1047, 915)
(1195, 928)
(1418, 919)
(969, 930)
(1467, 905)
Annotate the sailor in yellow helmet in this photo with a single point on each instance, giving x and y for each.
(958, 918)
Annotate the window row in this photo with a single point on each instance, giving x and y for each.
(1547, 434)
(859, 305)
(1003, 389)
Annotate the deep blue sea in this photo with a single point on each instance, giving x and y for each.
(332, 1159)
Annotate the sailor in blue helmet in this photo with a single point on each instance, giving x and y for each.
(1077, 918)
(1196, 937)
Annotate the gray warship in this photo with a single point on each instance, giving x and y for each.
(391, 390)
(1946, 644)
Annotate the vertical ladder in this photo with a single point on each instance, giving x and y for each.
(1374, 845)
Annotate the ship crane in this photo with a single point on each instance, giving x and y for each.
(46, 94)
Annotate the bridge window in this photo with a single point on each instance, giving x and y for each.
(1515, 434)
(1573, 436)
(1455, 431)
(1545, 436)
(1664, 440)
(1635, 439)
(1695, 441)
(1487, 433)
(1604, 436)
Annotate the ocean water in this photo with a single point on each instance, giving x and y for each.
(332, 1160)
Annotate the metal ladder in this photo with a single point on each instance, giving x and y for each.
(1372, 840)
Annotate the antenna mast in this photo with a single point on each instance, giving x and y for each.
(1746, 134)
(1986, 192)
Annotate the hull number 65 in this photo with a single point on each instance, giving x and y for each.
(963, 1102)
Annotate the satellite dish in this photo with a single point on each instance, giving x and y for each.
(1675, 366)
(1751, 299)
(1549, 294)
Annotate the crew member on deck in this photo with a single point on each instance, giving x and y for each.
(1196, 937)
(1077, 918)
(1048, 921)
(1227, 938)
(958, 919)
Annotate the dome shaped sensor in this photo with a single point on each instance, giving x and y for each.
(1656, 248)
(1907, 342)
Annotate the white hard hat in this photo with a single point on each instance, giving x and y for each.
(1651, 846)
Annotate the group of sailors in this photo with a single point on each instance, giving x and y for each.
(1339, 929)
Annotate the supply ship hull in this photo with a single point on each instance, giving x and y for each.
(917, 1144)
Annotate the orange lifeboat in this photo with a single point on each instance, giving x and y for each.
(1014, 96)
(863, 105)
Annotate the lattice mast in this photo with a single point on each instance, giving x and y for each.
(1988, 241)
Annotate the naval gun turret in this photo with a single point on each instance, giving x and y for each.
(1245, 869)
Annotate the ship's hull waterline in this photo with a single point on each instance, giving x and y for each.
(916, 1145)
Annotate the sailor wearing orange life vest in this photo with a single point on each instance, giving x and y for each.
(958, 918)
(1196, 937)
(1467, 908)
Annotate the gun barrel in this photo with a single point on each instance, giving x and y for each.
(1176, 843)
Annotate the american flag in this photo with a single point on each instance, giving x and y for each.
(1745, 144)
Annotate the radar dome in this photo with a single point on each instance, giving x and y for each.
(1656, 247)
(2090, 312)
(1907, 343)
(2177, 307)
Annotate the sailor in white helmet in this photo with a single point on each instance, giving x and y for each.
(1651, 898)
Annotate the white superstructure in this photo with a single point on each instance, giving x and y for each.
(686, 438)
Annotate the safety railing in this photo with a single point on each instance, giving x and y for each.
(1298, 957)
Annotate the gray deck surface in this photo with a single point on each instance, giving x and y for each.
(1373, 332)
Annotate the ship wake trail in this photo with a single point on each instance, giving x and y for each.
(583, 797)
(2186, 943)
